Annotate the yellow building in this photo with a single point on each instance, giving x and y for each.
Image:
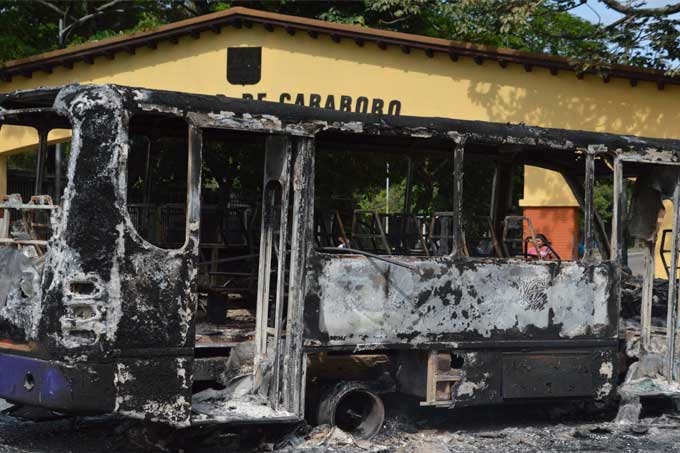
(347, 67)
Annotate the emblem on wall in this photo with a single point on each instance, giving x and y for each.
(244, 65)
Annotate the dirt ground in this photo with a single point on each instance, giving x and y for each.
(408, 428)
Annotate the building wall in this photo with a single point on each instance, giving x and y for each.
(552, 208)
(424, 86)
(560, 224)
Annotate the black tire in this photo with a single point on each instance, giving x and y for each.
(352, 407)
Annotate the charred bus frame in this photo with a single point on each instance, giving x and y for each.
(105, 321)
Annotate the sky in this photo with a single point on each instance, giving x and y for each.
(595, 11)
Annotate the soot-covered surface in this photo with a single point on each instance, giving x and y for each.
(409, 428)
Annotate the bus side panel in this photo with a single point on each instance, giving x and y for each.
(353, 301)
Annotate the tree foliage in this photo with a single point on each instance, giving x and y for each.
(640, 36)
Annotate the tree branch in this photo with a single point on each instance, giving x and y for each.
(81, 20)
(53, 7)
(641, 12)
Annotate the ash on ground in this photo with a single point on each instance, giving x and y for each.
(571, 427)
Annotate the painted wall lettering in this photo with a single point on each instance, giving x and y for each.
(343, 103)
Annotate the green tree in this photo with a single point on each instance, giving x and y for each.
(641, 36)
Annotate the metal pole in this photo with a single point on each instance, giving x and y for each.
(588, 227)
(40, 164)
(457, 249)
(409, 183)
(302, 243)
(58, 154)
(147, 173)
(617, 212)
(671, 319)
(387, 197)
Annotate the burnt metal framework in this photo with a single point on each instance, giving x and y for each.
(134, 347)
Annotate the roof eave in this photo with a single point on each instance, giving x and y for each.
(239, 17)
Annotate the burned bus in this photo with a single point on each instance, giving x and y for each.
(202, 265)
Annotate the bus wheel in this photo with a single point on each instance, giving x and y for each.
(353, 408)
